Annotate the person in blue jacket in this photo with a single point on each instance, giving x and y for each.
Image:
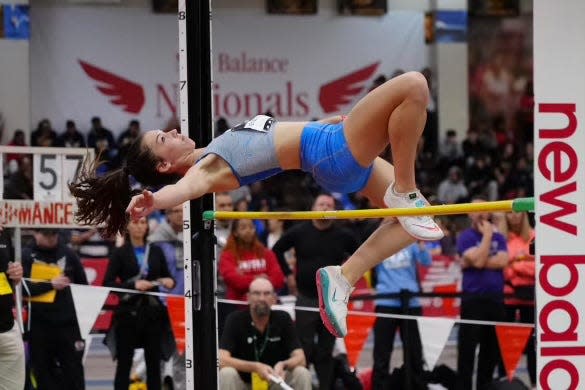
(398, 274)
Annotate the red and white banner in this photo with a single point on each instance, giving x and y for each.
(29, 213)
(127, 67)
(559, 55)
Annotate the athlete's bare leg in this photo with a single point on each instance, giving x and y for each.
(394, 113)
(378, 246)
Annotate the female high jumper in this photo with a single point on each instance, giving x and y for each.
(340, 153)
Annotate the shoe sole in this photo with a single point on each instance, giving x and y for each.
(386, 202)
(438, 237)
(323, 281)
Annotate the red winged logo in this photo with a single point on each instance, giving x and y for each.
(122, 92)
(339, 92)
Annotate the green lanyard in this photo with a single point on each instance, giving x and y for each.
(259, 351)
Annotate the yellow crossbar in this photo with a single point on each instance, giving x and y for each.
(519, 204)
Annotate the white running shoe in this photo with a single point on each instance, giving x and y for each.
(420, 227)
(334, 291)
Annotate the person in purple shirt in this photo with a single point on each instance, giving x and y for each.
(484, 254)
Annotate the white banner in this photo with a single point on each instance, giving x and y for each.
(559, 55)
(127, 67)
(434, 333)
(88, 301)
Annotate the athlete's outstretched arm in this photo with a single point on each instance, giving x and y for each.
(192, 186)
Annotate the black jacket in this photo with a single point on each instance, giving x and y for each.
(62, 310)
(6, 301)
(123, 270)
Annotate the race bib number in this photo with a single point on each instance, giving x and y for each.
(261, 123)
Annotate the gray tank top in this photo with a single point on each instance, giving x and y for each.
(249, 150)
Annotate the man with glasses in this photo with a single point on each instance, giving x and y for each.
(260, 347)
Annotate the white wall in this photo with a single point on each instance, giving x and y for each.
(14, 83)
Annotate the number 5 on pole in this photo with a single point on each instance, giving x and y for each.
(47, 177)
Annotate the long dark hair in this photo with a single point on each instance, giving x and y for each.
(235, 245)
(103, 199)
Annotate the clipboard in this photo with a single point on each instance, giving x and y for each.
(47, 272)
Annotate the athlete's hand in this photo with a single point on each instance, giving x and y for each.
(141, 205)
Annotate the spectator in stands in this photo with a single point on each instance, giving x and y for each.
(71, 137)
(140, 320)
(221, 126)
(430, 138)
(484, 255)
(472, 146)
(12, 365)
(523, 175)
(452, 189)
(274, 232)
(244, 258)
(19, 184)
(44, 135)
(399, 274)
(13, 159)
(89, 243)
(317, 243)
(55, 339)
(261, 343)
(223, 202)
(127, 137)
(525, 115)
(102, 140)
(450, 151)
(379, 80)
(480, 179)
(169, 237)
(519, 278)
(448, 243)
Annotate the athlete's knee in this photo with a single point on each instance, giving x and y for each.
(417, 87)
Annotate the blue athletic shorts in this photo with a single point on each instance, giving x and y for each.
(326, 156)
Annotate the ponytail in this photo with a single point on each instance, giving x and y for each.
(102, 199)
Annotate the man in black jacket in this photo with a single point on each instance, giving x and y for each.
(55, 340)
(317, 243)
(12, 366)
